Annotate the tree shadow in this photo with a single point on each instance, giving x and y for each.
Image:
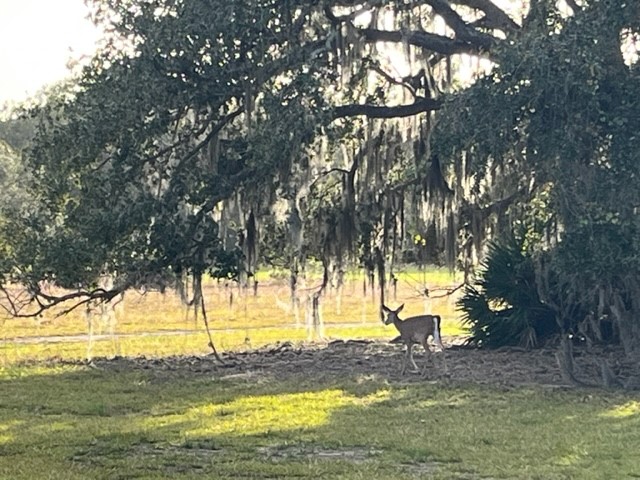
(188, 417)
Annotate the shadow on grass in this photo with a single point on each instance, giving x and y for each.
(80, 422)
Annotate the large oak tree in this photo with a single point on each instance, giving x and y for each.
(202, 126)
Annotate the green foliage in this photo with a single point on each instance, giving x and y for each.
(17, 208)
(130, 163)
(17, 132)
(503, 306)
(557, 121)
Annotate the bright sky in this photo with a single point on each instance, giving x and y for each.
(37, 39)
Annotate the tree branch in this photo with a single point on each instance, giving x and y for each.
(389, 78)
(573, 5)
(336, 20)
(421, 105)
(328, 172)
(462, 29)
(46, 302)
(495, 17)
(426, 40)
(214, 131)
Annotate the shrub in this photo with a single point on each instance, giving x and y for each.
(503, 307)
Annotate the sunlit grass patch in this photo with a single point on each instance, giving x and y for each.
(628, 409)
(262, 414)
(195, 343)
(232, 307)
(5, 435)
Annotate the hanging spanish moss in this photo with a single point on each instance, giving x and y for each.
(360, 195)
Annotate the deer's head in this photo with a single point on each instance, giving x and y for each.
(392, 315)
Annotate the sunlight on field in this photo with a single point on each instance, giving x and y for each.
(6, 437)
(568, 460)
(629, 409)
(188, 344)
(263, 414)
(159, 324)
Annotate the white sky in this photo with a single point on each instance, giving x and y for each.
(37, 39)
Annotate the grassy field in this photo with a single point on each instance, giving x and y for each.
(155, 421)
(76, 422)
(158, 324)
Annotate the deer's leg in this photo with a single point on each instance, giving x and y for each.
(405, 358)
(427, 354)
(410, 357)
(444, 356)
(444, 361)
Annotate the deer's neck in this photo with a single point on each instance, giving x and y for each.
(396, 323)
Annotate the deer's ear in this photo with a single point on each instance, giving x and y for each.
(385, 308)
(400, 308)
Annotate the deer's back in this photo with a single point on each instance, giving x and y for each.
(416, 328)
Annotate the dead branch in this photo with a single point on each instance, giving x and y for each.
(46, 302)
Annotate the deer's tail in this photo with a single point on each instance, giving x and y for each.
(437, 320)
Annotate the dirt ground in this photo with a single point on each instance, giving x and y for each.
(506, 367)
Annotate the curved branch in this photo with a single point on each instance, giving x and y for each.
(46, 302)
(389, 78)
(421, 105)
(463, 30)
(429, 41)
(224, 121)
(495, 17)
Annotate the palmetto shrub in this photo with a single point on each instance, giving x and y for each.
(502, 307)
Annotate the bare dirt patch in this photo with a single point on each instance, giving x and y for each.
(506, 367)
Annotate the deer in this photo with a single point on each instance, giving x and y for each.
(414, 330)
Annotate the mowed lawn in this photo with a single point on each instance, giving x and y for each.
(86, 421)
(79, 422)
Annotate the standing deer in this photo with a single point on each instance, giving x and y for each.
(414, 330)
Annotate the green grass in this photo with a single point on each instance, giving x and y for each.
(83, 423)
(59, 421)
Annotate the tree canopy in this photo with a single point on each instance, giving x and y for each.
(206, 132)
(558, 116)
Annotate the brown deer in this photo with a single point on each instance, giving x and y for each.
(414, 330)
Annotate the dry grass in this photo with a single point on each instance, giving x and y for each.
(159, 324)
